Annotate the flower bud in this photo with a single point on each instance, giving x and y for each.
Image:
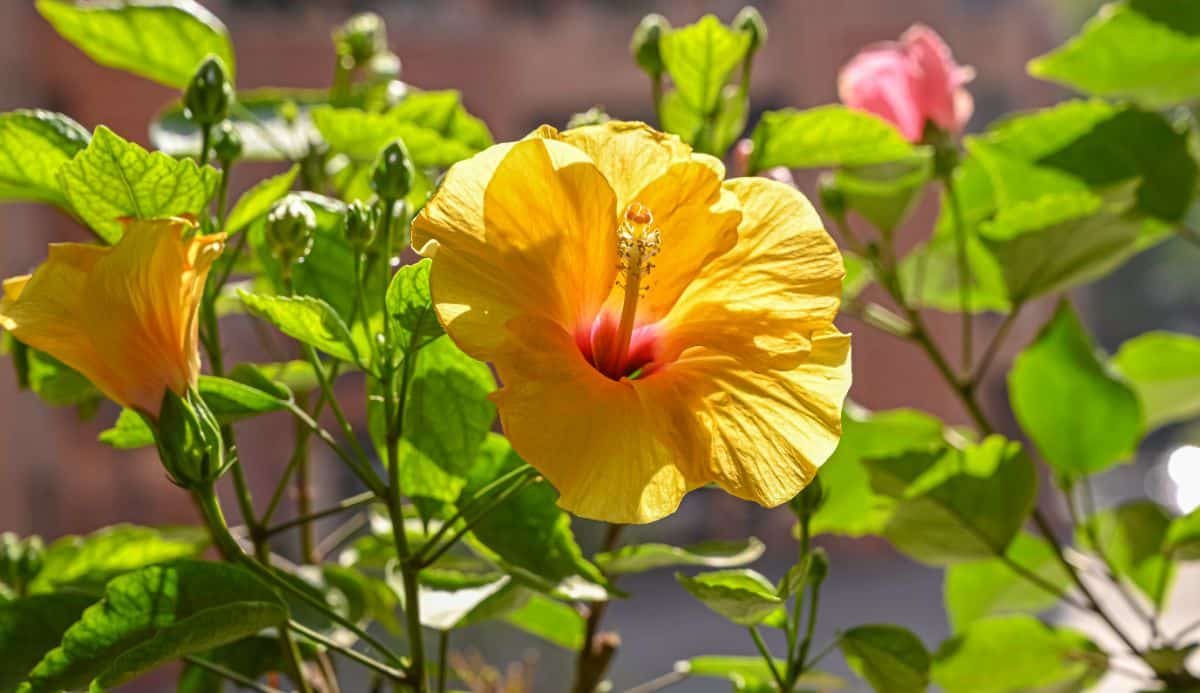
(646, 42)
(290, 227)
(362, 37)
(189, 441)
(361, 223)
(809, 501)
(383, 68)
(393, 173)
(227, 144)
(208, 95)
(833, 199)
(592, 116)
(31, 560)
(20, 561)
(818, 566)
(750, 21)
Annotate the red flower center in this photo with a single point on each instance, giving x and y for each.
(599, 342)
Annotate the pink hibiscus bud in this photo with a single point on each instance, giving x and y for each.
(909, 83)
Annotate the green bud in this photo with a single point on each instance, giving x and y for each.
(189, 441)
(362, 37)
(833, 198)
(290, 228)
(361, 223)
(646, 42)
(10, 559)
(31, 560)
(595, 115)
(809, 501)
(750, 21)
(383, 68)
(393, 173)
(227, 144)
(208, 95)
(818, 567)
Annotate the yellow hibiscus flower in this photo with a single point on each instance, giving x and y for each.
(654, 327)
(123, 316)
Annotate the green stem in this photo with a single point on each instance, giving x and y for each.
(766, 655)
(993, 347)
(222, 196)
(205, 144)
(474, 500)
(492, 505)
(233, 676)
(964, 273)
(595, 654)
(813, 602)
(364, 471)
(443, 650)
(346, 504)
(390, 672)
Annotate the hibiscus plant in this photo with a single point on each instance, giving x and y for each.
(491, 340)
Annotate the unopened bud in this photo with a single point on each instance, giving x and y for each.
(189, 441)
(809, 501)
(818, 567)
(361, 223)
(646, 42)
(750, 21)
(31, 560)
(595, 115)
(20, 561)
(227, 144)
(206, 101)
(290, 228)
(362, 37)
(393, 173)
(833, 199)
(383, 68)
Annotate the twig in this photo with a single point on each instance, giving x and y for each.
(346, 504)
(660, 683)
(231, 675)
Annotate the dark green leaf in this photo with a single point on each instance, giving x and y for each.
(992, 587)
(88, 562)
(252, 657)
(550, 620)
(113, 178)
(742, 596)
(258, 200)
(826, 136)
(700, 58)
(1082, 418)
(32, 626)
(1013, 653)
(891, 658)
(1133, 538)
(162, 40)
(33, 144)
(638, 558)
(1164, 370)
(153, 616)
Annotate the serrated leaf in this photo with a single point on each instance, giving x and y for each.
(410, 307)
(32, 626)
(33, 144)
(989, 588)
(113, 178)
(1011, 653)
(1133, 538)
(1081, 418)
(891, 658)
(1140, 50)
(257, 200)
(638, 558)
(700, 58)
(742, 596)
(308, 320)
(87, 562)
(161, 40)
(153, 616)
(1164, 370)
(825, 136)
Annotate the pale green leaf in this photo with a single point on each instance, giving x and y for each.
(550, 620)
(308, 320)
(825, 136)
(1163, 368)
(742, 596)
(87, 562)
(257, 200)
(1133, 537)
(700, 58)
(992, 587)
(638, 558)
(33, 144)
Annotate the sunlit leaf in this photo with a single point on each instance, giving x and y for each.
(33, 144)
(891, 658)
(742, 596)
(1164, 370)
(992, 587)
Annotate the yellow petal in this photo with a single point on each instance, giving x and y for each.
(631, 155)
(770, 430)
(527, 229)
(607, 446)
(781, 281)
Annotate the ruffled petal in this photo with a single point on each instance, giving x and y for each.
(611, 448)
(759, 301)
(879, 80)
(769, 431)
(525, 229)
(631, 155)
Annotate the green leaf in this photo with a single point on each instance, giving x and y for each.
(57, 384)
(32, 626)
(436, 136)
(443, 113)
(1183, 537)
(258, 200)
(161, 40)
(252, 657)
(1081, 418)
(826, 136)
(86, 563)
(754, 669)
(153, 616)
(550, 620)
(128, 433)
(890, 658)
(1164, 370)
(638, 558)
(885, 194)
(992, 587)
(956, 505)
(1145, 50)
(274, 125)
(930, 275)
(447, 609)
(700, 58)
(410, 307)
(114, 178)
(308, 320)
(367, 598)
(527, 533)
(851, 508)
(33, 145)
(858, 276)
(1133, 537)
(1012, 653)
(742, 596)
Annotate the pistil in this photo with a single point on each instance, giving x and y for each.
(637, 244)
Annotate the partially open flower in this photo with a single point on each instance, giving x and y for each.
(908, 83)
(655, 329)
(123, 316)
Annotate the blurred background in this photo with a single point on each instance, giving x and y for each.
(520, 63)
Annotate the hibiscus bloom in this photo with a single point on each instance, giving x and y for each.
(123, 316)
(909, 83)
(654, 328)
